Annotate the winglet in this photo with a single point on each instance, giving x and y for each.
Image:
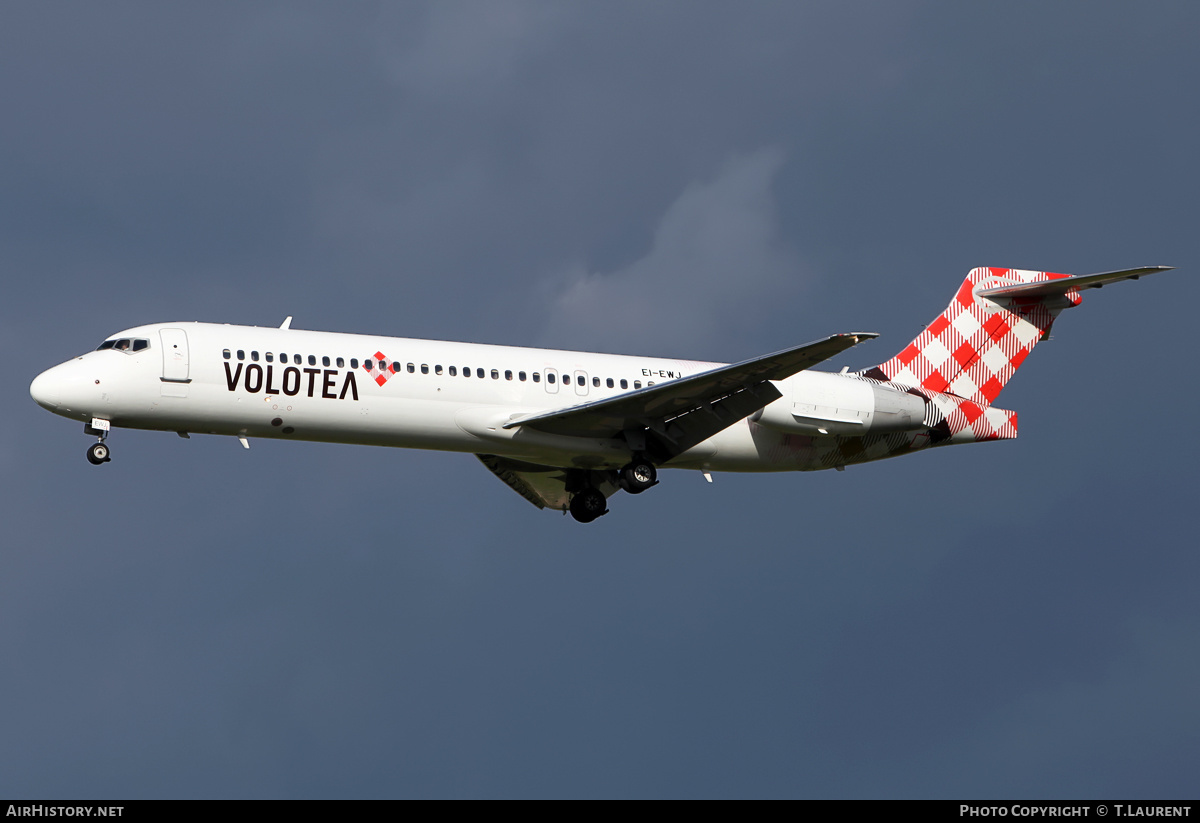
(286, 324)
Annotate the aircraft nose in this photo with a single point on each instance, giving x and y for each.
(46, 389)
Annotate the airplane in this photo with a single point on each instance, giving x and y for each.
(567, 430)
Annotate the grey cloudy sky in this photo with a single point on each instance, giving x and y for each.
(706, 180)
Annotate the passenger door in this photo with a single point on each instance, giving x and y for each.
(175, 355)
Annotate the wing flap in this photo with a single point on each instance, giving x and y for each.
(1061, 285)
(697, 425)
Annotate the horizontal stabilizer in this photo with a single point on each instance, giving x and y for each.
(1062, 285)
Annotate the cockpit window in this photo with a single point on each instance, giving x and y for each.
(125, 344)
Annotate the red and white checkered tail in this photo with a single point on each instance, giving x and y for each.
(974, 347)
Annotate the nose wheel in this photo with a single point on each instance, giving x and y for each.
(97, 453)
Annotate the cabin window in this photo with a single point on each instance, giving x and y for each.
(637, 384)
(424, 368)
(354, 362)
(537, 377)
(226, 354)
(396, 366)
(437, 369)
(479, 373)
(609, 382)
(521, 376)
(466, 371)
(270, 357)
(453, 371)
(368, 364)
(624, 383)
(507, 374)
(495, 374)
(324, 361)
(550, 377)
(596, 381)
(412, 368)
(241, 354)
(298, 360)
(254, 356)
(341, 364)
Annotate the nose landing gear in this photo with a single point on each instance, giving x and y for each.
(97, 453)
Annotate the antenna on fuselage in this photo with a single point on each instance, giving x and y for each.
(286, 324)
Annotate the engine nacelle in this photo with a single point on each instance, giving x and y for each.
(823, 404)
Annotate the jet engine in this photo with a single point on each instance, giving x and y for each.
(822, 404)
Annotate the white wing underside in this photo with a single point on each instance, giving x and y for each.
(547, 487)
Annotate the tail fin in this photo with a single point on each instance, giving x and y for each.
(998, 315)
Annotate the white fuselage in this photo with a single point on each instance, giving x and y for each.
(231, 380)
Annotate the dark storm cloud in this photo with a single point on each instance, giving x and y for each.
(716, 254)
(699, 179)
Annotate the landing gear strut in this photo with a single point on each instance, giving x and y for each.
(638, 476)
(588, 504)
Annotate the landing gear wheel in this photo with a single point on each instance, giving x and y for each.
(97, 453)
(587, 505)
(638, 476)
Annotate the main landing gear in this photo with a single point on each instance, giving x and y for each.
(588, 504)
(638, 476)
(97, 453)
(588, 501)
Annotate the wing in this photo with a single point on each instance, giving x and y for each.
(677, 415)
(547, 487)
(1061, 285)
